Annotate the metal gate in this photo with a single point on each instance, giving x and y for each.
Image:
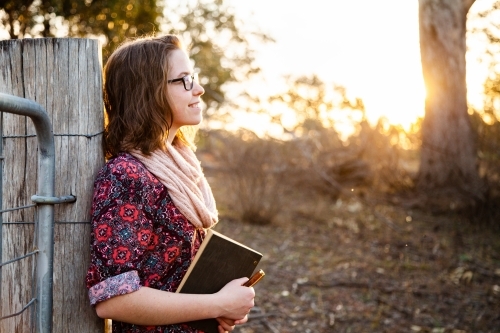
(43, 247)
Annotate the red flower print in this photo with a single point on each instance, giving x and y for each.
(129, 212)
(153, 241)
(147, 238)
(103, 190)
(152, 178)
(151, 280)
(132, 171)
(172, 254)
(121, 255)
(103, 232)
(143, 237)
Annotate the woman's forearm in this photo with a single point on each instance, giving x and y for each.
(148, 306)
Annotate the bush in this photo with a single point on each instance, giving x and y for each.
(250, 174)
(255, 179)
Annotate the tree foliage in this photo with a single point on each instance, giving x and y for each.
(485, 25)
(218, 41)
(113, 19)
(316, 106)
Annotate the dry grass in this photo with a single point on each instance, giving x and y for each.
(363, 266)
(341, 251)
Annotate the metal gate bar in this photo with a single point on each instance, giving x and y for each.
(44, 234)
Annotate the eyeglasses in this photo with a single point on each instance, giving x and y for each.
(187, 80)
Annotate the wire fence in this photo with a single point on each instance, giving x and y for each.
(44, 200)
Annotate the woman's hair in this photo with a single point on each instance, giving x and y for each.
(135, 95)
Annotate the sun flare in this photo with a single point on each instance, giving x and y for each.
(400, 104)
(375, 57)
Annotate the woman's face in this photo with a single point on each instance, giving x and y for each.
(186, 106)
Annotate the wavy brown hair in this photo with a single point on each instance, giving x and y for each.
(135, 95)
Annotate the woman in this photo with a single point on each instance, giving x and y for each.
(151, 200)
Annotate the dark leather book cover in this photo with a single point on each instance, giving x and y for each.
(219, 260)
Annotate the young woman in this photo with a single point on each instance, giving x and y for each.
(151, 200)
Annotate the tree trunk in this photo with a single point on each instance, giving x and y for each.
(448, 158)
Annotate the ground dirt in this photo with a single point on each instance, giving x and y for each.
(365, 265)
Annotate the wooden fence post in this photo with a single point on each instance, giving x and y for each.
(63, 75)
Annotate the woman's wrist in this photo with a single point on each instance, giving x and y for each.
(215, 306)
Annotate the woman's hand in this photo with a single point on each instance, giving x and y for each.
(235, 301)
(225, 325)
(228, 325)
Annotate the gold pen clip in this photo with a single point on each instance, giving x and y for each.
(254, 279)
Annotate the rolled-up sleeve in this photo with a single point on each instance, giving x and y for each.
(122, 284)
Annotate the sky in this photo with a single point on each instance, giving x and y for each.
(370, 47)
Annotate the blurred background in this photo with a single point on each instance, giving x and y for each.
(356, 143)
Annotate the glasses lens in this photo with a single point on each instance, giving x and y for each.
(188, 82)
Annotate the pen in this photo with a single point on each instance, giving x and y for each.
(254, 279)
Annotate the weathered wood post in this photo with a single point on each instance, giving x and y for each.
(63, 75)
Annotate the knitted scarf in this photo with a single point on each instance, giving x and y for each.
(179, 170)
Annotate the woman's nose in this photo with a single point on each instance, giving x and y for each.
(198, 89)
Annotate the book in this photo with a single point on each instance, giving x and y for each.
(218, 261)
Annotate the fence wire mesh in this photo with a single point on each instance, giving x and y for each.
(43, 247)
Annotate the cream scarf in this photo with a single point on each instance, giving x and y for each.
(179, 170)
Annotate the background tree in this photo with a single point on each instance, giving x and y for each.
(113, 19)
(449, 151)
(314, 106)
(484, 25)
(218, 40)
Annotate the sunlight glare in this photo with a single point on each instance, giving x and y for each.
(376, 57)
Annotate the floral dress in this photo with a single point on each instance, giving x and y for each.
(139, 238)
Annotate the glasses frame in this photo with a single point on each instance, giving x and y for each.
(185, 81)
